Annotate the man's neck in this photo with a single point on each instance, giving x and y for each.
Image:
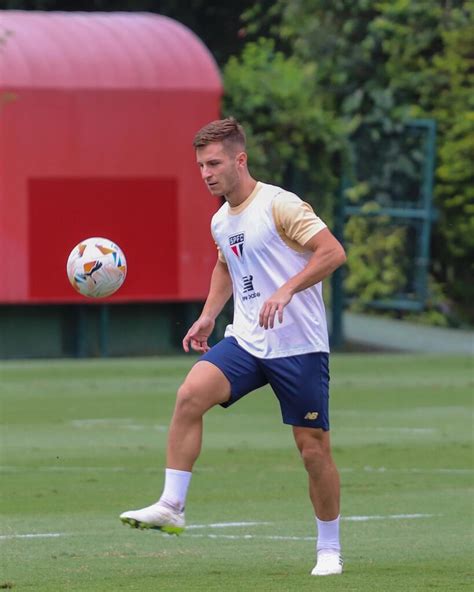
(241, 193)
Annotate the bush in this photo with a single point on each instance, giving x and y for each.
(365, 64)
(290, 133)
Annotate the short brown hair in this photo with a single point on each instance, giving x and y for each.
(228, 131)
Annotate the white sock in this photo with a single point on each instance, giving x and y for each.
(176, 488)
(328, 535)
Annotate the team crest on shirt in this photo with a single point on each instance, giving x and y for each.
(236, 242)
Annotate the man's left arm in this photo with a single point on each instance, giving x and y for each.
(327, 255)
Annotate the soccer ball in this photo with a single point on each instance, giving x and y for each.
(96, 267)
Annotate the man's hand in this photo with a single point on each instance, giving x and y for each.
(275, 304)
(198, 335)
(328, 254)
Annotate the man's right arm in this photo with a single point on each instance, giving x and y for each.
(220, 291)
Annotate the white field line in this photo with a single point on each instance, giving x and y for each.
(115, 423)
(227, 524)
(447, 471)
(54, 469)
(190, 527)
(252, 536)
(389, 517)
(48, 535)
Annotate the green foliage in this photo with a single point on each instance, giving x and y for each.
(376, 257)
(453, 107)
(434, 76)
(290, 132)
(437, 310)
(376, 64)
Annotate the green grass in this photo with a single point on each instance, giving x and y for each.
(84, 440)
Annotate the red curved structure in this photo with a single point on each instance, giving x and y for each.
(97, 116)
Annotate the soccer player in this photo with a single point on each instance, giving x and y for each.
(273, 253)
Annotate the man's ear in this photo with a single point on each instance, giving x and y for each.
(241, 158)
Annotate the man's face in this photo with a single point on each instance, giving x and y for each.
(219, 168)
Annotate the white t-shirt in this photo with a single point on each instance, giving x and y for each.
(261, 240)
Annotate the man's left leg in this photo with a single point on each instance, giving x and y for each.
(324, 491)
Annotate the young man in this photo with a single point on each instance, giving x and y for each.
(273, 253)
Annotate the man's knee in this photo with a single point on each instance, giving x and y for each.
(204, 387)
(314, 456)
(314, 449)
(188, 401)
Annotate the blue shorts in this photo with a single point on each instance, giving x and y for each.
(301, 383)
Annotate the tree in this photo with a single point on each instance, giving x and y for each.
(276, 99)
(376, 64)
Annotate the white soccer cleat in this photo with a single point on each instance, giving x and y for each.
(156, 516)
(329, 564)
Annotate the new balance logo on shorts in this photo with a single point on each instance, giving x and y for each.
(311, 415)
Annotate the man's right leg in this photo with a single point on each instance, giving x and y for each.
(204, 387)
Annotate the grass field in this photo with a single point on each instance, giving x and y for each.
(83, 441)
